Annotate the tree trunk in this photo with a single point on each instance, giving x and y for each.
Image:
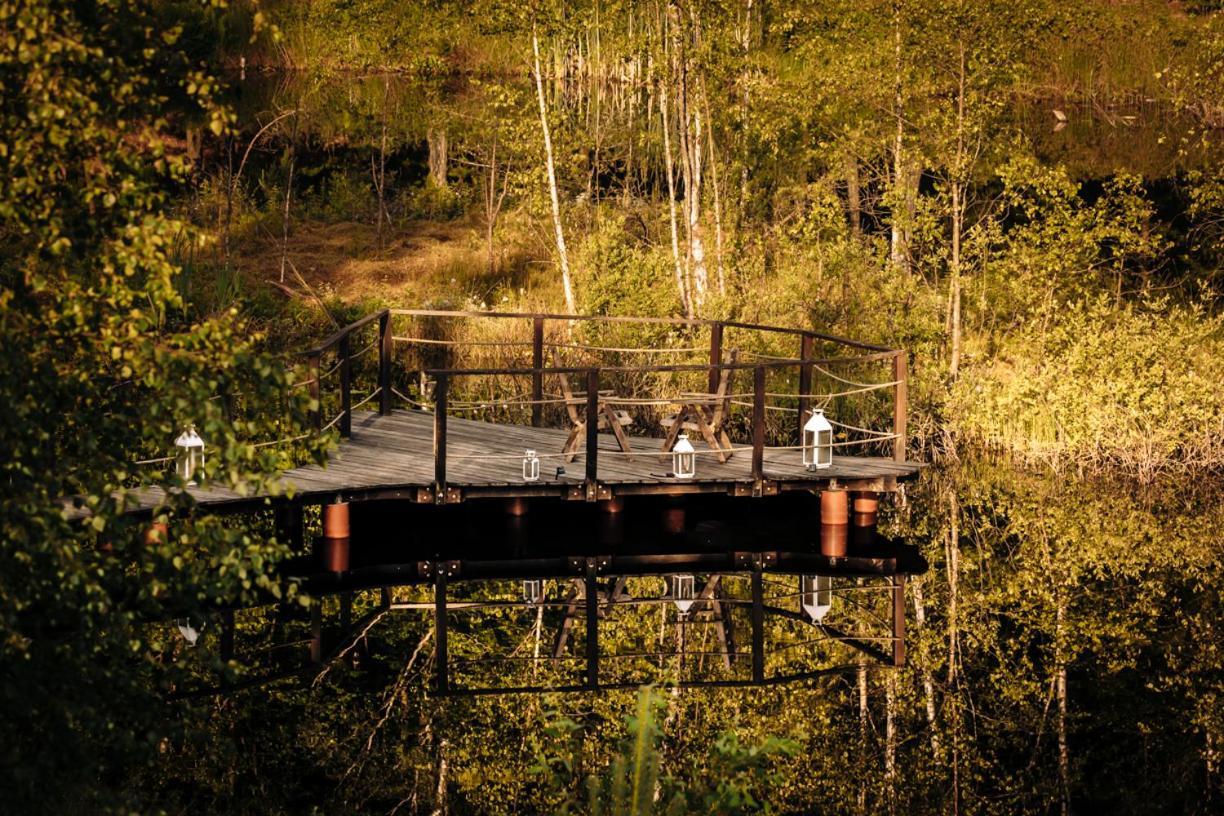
(958, 205)
(284, 259)
(440, 789)
(718, 230)
(898, 252)
(854, 199)
(890, 742)
(438, 159)
(685, 302)
(1064, 757)
(863, 719)
(953, 569)
(924, 658)
(562, 255)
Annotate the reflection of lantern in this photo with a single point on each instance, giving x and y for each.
(684, 459)
(533, 591)
(189, 458)
(189, 632)
(531, 467)
(816, 595)
(682, 592)
(817, 441)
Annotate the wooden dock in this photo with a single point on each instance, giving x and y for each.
(442, 445)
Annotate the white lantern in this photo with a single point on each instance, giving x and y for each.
(817, 441)
(189, 458)
(189, 632)
(683, 587)
(533, 591)
(531, 467)
(684, 459)
(816, 595)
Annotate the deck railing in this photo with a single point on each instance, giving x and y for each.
(338, 354)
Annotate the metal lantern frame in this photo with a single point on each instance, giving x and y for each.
(817, 441)
(816, 596)
(189, 455)
(531, 466)
(684, 458)
(533, 591)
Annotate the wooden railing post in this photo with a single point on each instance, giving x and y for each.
(758, 424)
(758, 621)
(592, 432)
(900, 404)
(716, 338)
(384, 363)
(346, 388)
(537, 375)
(592, 625)
(441, 644)
(806, 349)
(316, 413)
(439, 440)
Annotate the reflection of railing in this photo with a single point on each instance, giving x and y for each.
(336, 355)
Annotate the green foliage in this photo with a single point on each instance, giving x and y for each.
(101, 368)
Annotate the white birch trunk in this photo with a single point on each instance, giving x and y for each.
(562, 255)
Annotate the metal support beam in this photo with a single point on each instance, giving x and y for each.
(592, 625)
(441, 670)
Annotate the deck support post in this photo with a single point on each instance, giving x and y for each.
(384, 363)
(898, 620)
(758, 429)
(441, 669)
(346, 389)
(758, 621)
(439, 439)
(716, 338)
(592, 625)
(592, 434)
(537, 374)
(806, 351)
(316, 413)
(900, 404)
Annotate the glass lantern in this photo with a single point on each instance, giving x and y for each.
(189, 455)
(531, 467)
(682, 592)
(533, 591)
(684, 458)
(816, 596)
(817, 441)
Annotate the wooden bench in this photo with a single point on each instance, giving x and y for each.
(705, 414)
(609, 420)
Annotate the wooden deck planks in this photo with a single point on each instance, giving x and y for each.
(396, 452)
